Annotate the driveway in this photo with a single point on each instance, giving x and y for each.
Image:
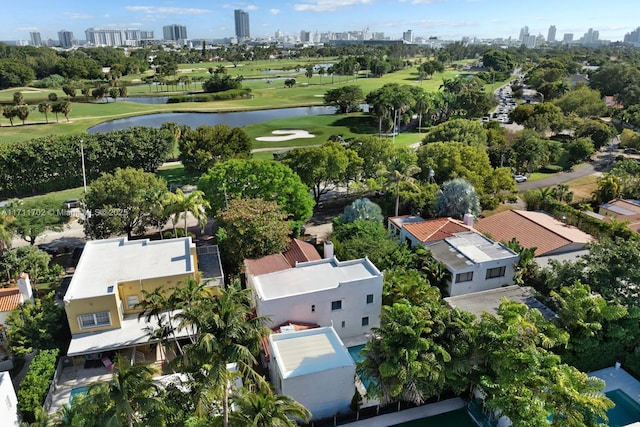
(559, 178)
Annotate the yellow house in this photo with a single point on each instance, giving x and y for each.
(109, 281)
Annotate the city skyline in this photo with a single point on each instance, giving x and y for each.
(445, 19)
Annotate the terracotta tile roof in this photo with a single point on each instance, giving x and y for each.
(297, 326)
(10, 298)
(437, 229)
(532, 229)
(297, 251)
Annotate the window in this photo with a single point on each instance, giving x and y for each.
(365, 321)
(344, 323)
(336, 305)
(464, 277)
(492, 273)
(313, 308)
(370, 299)
(132, 301)
(94, 320)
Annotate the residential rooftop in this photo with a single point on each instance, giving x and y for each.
(105, 263)
(533, 229)
(489, 301)
(10, 298)
(469, 248)
(296, 251)
(313, 276)
(309, 351)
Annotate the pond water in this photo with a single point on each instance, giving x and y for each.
(193, 120)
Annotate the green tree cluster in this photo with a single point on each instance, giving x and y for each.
(203, 147)
(35, 385)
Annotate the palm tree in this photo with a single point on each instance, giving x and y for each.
(457, 198)
(402, 169)
(266, 409)
(193, 203)
(226, 333)
(129, 398)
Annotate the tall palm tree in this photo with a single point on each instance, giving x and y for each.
(227, 332)
(266, 409)
(130, 398)
(402, 169)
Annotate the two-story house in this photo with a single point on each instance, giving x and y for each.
(109, 282)
(344, 294)
(474, 262)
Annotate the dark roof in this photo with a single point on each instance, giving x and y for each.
(297, 251)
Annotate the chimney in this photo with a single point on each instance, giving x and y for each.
(468, 220)
(328, 249)
(24, 284)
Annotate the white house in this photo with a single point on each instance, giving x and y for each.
(9, 405)
(475, 262)
(344, 294)
(314, 368)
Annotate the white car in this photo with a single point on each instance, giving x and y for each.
(520, 178)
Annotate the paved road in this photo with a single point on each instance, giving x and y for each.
(560, 178)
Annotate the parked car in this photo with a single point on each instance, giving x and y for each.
(71, 203)
(631, 151)
(519, 178)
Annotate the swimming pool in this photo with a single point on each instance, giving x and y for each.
(354, 352)
(626, 411)
(82, 391)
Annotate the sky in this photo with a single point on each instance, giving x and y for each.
(213, 19)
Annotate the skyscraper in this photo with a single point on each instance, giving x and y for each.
(242, 24)
(36, 40)
(407, 36)
(65, 38)
(551, 35)
(174, 32)
(524, 32)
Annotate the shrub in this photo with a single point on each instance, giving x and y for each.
(207, 97)
(33, 389)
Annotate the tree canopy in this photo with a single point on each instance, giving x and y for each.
(203, 147)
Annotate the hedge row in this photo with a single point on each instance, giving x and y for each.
(35, 385)
(54, 163)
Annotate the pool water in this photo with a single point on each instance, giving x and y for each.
(82, 391)
(354, 352)
(626, 411)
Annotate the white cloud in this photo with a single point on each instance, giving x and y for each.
(327, 5)
(274, 11)
(73, 15)
(251, 7)
(167, 10)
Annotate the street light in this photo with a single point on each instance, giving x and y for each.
(84, 175)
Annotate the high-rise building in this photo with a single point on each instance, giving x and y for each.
(551, 35)
(633, 36)
(567, 38)
(408, 36)
(524, 32)
(174, 32)
(99, 37)
(591, 36)
(36, 40)
(242, 24)
(65, 38)
(305, 36)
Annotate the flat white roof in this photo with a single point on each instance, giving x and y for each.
(313, 276)
(105, 263)
(309, 351)
(133, 332)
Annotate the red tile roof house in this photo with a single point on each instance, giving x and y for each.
(537, 230)
(474, 262)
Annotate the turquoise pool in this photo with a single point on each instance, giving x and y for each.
(82, 391)
(354, 352)
(625, 412)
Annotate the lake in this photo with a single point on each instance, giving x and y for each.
(193, 120)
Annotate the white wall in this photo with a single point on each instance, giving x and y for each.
(8, 402)
(479, 282)
(300, 308)
(323, 393)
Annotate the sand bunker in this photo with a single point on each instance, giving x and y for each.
(287, 135)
